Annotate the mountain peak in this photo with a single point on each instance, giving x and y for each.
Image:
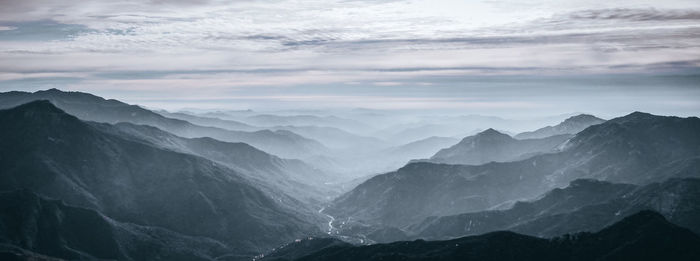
(490, 132)
(647, 219)
(53, 91)
(582, 118)
(639, 114)
(571, 125)
(38, 106)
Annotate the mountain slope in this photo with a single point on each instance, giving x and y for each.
(642, 236)
(270, 120)
(293, 177)
(51, 228)
(420, 149)
(56, 155)
(571, 125)
(585, 205)
(491, 145)
(92, 108)
(333, 137)
(209, 121)
(635, 149)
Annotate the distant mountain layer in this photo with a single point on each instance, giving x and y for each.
(269, 120)
(294, 177)
(334, 137)
(585, 205)
(92, 108)
(571, 125)
(638, 148)
(491, 145)
(56, 155)
(420, 149)
(643, 236)
(210, 121)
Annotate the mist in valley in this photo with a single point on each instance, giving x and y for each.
(349, 130)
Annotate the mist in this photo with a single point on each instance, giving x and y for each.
(260, 130)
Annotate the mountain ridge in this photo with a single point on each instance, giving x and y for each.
(571, 125)
(94, 108)
(645, 235)
(59, 156)
(605, 151)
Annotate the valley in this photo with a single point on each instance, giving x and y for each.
(139, 178)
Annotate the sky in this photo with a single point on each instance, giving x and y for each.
(494, 57)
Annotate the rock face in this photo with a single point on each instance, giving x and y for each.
(571, 125)
(92, 108)
(59, 156)
(493, 146)
(645, 235)
(638, 149)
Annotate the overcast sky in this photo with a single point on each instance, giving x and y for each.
(479, 56)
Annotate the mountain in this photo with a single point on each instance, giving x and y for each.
(571, 125)
(491, 145)
(585, 205)
(420, 149)
(638, 149)
(303, 247)
(645, 235)
(92, 108)
(293, 177)
(50, 227)
(406, 133)
(334, 138)
(209, 121)
(270, 120)
(59, 156)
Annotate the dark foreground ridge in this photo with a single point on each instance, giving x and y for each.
(645, 235)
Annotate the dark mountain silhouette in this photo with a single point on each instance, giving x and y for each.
(585, 205)
(645, 235)
(572, 125)
(57, 155)
(637, 149)
(51, 228)
(93, 108)
(491, 145)
(301, 248)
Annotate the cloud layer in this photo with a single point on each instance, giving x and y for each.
(143, 48)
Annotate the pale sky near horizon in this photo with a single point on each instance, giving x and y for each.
(488, 56)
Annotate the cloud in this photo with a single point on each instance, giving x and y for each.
(647, 14)
(282, 45)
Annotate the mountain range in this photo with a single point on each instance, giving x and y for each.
(638, 148)
(93, 108)
(35, 224)
(85, 178)
(56, 155)
(491, 145)
(585, 205)
(645, 235)
(571, 125)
